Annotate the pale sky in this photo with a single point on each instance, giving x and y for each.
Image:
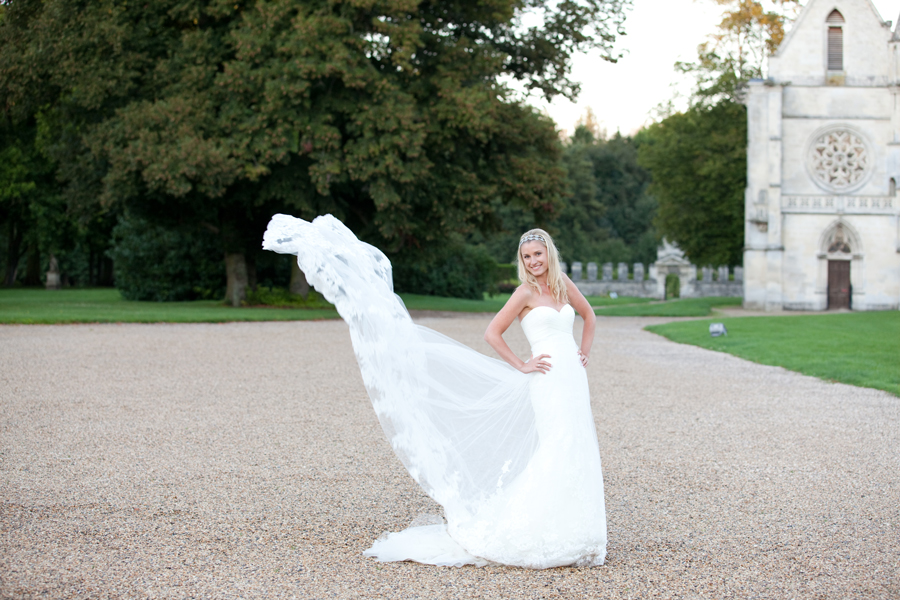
(659, 32)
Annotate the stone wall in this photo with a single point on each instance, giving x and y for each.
(651, 282)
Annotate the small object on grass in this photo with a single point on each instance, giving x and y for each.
(717, 329)
(613, 295)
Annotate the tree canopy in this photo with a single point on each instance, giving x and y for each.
(699, 164)
(606, 214)
(389, 113)
(609, 216)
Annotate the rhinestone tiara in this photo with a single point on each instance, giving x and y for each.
(531, 238)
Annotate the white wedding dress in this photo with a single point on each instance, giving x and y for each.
(512, 458)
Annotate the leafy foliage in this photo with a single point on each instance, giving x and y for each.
(673, 286)
(32, 213)
(454, 270)
(607, 214)
(699, 164)
(386, 113)
(153, 262)
(737, 52)
(609, 217)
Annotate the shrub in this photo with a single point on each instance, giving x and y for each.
(152, 262)
(453, 270)
(673, 286)
(507, 273)
(276, 296)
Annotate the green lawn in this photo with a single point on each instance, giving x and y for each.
(105, 305)
(856, 348)
(491, 304)
(689, 307)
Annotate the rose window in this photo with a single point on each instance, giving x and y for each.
(839, 159)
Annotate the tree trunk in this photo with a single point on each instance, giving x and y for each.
(298, 285)
(236, 271)
(13, 254)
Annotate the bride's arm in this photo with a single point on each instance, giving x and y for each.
(501, 322)
(583, 307)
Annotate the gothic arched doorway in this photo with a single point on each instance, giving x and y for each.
(840, 291)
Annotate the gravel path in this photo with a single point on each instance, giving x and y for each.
(244, 461)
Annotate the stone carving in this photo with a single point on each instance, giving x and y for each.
(707, 274)
(576, 271)
(607, 271)
(670, 254)
(837, 241)
(622, 274)
(739, 273)
(592, 271)
(53, 276)
(722, 276)
(839, 159)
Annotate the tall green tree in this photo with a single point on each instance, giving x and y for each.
(32, 214)
(15, 209)
(609, 215)
(387, 113)
(698, 160)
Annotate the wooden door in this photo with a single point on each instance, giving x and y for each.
(838, 284)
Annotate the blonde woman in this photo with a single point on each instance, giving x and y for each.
(543, 285)
(561, 497)
(507, 449)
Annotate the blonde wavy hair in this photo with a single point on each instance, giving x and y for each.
(555, 280)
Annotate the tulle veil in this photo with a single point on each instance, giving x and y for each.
(461, 422)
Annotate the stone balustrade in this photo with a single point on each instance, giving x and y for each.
(651, 282)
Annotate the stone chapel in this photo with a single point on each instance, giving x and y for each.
(822, 215)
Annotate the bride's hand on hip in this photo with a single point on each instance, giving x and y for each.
(536, 364)
(584, 358)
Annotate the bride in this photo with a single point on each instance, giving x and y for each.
(508, 449)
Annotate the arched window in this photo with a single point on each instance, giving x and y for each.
(892, 187)
(835, 23)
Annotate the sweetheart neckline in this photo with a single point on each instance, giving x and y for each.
(559, 312)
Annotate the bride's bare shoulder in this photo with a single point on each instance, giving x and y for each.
(523, 293)
(520, 298)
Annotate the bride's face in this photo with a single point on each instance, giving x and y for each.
(534, 257)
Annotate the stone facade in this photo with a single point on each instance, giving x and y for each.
(823, 164)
